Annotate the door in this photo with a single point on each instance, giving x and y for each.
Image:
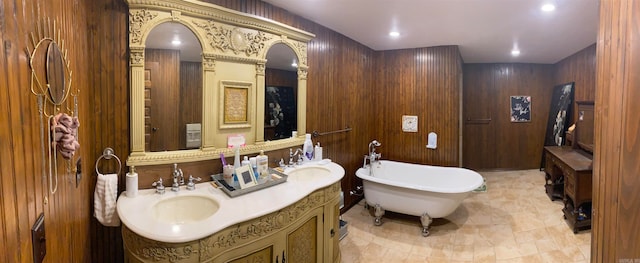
(161, 123)
(479, 147)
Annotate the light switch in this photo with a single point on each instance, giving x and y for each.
(38, 240)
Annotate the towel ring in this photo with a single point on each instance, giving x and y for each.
(107, 154)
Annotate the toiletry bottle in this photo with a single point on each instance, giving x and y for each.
(317, 155)
(236, 162)
(236, 158)
(307, 148)
(263, 166)
(254, 166)
(245, 161)
(132, 182)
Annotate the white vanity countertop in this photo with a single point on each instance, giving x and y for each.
(137, 214)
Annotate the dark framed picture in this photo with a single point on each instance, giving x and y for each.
(245, 176)
(520, 108)
(559, 114)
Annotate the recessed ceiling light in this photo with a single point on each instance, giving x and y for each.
(548, 7)
(515, 52)
(176, 42)
(394, 33)
(294, 64)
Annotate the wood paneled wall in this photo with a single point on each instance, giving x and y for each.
(108, 72)
(581, 69)
(190, 98)
(349, 85)
(616, 170)
(278, 77)
(425, 82)
(24, 183)
(162, 100)
(491, 140)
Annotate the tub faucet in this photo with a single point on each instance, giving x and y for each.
(372, 156)
(178, 178)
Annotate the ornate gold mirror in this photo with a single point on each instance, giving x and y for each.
(234, 49)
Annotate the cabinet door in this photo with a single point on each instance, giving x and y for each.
(261, 250)
(305, 239)
(264, 255)
(332, 231)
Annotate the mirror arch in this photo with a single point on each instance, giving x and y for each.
(234, 47)
(173, 88)
(281, 90)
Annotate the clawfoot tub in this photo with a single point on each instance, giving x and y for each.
(419, 190)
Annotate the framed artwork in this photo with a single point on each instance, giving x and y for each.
(520, 108)
(409, 123)
(245, 176)
(235, 106)
(559, 115)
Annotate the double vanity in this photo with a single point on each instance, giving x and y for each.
(296, 221)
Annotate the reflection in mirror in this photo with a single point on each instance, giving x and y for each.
(281, 81)
(55, 74)
(173, 89)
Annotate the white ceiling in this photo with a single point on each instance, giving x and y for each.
(485, 30)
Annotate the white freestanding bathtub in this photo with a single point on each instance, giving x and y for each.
(419, 190)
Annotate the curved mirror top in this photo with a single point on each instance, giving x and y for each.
(281, 89)
(55, 74)
(173, 89)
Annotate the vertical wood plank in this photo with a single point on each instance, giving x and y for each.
(616, 204)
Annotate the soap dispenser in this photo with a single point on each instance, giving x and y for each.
(317, 155)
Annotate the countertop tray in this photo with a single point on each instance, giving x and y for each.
(233, 191)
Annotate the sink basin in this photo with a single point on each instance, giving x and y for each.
(184, 209)
(306, 173)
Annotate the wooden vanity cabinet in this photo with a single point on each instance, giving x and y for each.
(297, 243)
(568, 171)
(304, 232)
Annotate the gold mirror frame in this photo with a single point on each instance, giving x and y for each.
(234, 48)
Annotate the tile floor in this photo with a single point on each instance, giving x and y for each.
(514, 221)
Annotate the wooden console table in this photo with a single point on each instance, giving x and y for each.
(570, 170)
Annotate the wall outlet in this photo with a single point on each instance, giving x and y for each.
(38, 240)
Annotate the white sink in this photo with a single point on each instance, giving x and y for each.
(307, 173)
(183, 209)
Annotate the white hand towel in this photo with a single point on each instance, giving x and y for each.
(105, 195)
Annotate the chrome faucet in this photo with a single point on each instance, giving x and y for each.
(372, 156)
(178, 178)
(298, 153)
(159, 187)
(192, 185)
